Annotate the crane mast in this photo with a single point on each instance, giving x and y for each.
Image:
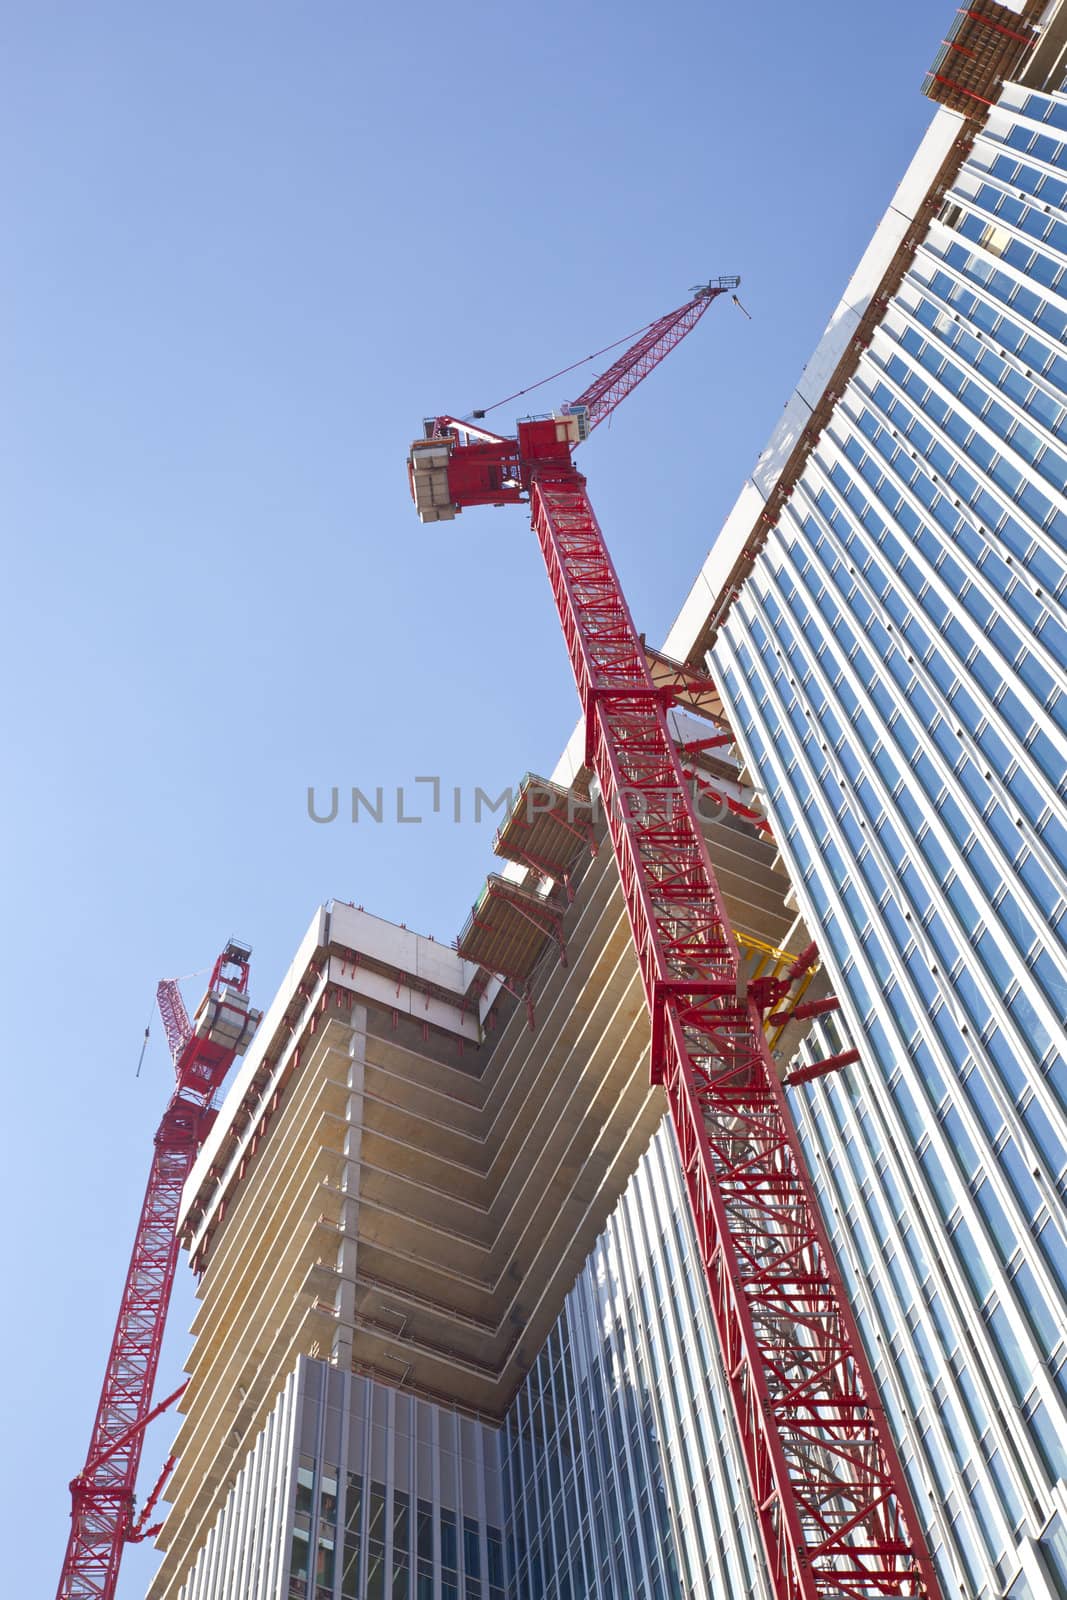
(102, 1495)
(826, 1483)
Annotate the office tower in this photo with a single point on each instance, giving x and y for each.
(886, 627)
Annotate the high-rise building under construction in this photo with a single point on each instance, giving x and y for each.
(451, 1339)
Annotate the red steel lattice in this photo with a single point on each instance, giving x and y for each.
(102, 1495)
(176, 1024)
(657, 341)
(827, 1486)
(829, 1493)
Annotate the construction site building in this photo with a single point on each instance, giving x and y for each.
(451, 1341)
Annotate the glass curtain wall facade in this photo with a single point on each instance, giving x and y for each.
(356, 1491)
(614, 1477)
(622, 1477)
(895, 668)
(391, 1497)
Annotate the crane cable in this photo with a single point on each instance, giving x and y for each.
(144, 1043)
(627, 338)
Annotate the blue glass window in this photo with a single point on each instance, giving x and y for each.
(1007, 1062)
(972, 1260)
(1050, 1442)
(1015, 1362)
(983, 1103)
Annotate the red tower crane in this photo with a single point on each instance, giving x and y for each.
(102, 1494)
(830, 1496)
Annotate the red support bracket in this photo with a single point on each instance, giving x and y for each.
(819, 1069)
(807, 1009)
(694, 746)
(950, 83)
(128, 1433)
(735, 807)
(804, 962)
(138, 1532)
(767, 991)
(988, 22)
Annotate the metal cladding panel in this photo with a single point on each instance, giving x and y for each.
(388, 942)
(896, 220)
(572, 761)
(400, 948)
(787, 435)
(244, 1555)
(393, 994)
(331, 1500)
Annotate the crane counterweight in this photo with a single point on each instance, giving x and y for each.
(470, 467)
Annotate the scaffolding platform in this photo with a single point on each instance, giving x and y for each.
(986, 44)
(508, 929)
(548, 829)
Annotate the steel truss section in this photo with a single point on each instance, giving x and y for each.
(176, 1024)
(612, 387)
(828, 1488)
(102, 1494)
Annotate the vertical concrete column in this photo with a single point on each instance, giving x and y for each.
(345, 1294)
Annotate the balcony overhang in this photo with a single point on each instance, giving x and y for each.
(986, 45)
(508, 929)
(548, 829)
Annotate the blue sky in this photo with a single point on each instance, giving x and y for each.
(247, 248)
